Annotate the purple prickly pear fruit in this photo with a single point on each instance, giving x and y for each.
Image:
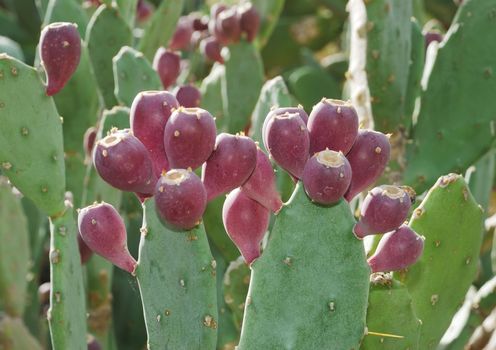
(199, 22)
(182, 36)
(246, 222)
(397, 250)
(211, 49)
(189, 137)
(180, 199)
(60, 51)
(89, 141)
(149, 114)
(232, 162)
(261, 186)
(84, 251)
(168, 66)
(332, 124)
(227, 26)
(188, 96)
(288, 142)
(103, 230)
(123, 162)
(384, 209)
(368, 158)
(143, 10)
(93, 344)
(279, 111)
(249, 20)
(327, 176)
(431, 36)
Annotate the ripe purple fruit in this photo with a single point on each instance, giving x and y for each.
(249, 20)
(368, 159)
(188, 96)
(233, 160)
(327, 176)
(60, 51)
(123, 162)
(143, 10)
(227, 26)
(168, 66)
(332, 124)
(246, 222)
(180, 199)
(280, 111)
(397, 250)
(182, 36)
(189, 137)
(199, 22)
(287, 140)
(261, 186)
(103, 230)
(149, 114)
(432, 36)
(211, 49)
(384, 209)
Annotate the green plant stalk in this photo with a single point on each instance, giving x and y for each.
(309, 288)
(451, 222)
(176, 276)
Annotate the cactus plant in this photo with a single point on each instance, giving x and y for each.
(213, 115)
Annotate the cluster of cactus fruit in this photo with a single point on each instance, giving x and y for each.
(242, 212)
(167, 142)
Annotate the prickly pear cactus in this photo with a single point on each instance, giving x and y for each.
(67, 300)
(315, 268)
(15, 252)
(391, 319)
(450, 220)
(176, 275)
(132, 74)
(31, 136)
(443, 130)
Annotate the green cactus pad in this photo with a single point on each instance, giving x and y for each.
(451, 222)
(176, 276)
(309, 288)
(308, 83)
(236, 282)
(211, 91)
(451, 136)
(133, 74)
(67, 313)
(217, 235)
(391, 313)
(11, 48)
(14, 251)
(127, 9)
(107, 32)
(241, 88)
(15, 336)
(227, 334)
(417, 58)
(31, 145)
(66, 11)
(388, 60)
(160, 27)
(269, 12)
